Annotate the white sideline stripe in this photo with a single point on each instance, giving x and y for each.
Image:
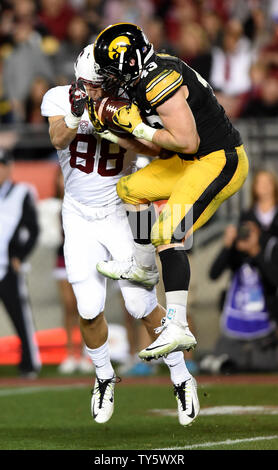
(224, 410)
(25, 390)
(220, 443)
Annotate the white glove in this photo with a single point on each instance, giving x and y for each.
(143, 131)
(109, 136)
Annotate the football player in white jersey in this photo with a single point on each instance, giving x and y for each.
(96, 225)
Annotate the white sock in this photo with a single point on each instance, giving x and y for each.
(145, 255)
(176, 302)
(101, 360)
(177, 367)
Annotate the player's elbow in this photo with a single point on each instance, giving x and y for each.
(60, 147)
(59, 138)
(190, 145)
(57, 143)
(57, 147)
(193, 147)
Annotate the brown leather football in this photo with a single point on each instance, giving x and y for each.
(106, 108)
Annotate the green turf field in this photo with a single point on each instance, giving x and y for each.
(49, 417)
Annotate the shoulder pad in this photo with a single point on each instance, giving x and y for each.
(168, 57)
(162, 85)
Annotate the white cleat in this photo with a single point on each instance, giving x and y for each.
(173, 337)
(129, 271)
(188, 402)
(102, 403)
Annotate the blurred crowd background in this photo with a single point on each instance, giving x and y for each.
(233, 44)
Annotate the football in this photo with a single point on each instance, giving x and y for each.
(105, 109)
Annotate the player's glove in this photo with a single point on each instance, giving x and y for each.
(97, 123)
(109, 136)
(129, 118)
(78, 98)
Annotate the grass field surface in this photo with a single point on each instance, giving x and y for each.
(53, 413)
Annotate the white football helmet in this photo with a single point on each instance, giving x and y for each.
(85, 67)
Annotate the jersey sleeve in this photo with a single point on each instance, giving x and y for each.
(56, 102)
(164, 85)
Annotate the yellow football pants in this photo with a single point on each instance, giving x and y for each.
(193, 189)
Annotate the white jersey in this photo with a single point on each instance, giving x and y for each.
(91, 166)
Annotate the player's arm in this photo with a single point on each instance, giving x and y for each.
(136, 145)
(63, 129)
(140, 146)
(60, 135)
(180, 132)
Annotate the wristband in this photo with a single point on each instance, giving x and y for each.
(143, 131)
(72, 121)
(109, 136)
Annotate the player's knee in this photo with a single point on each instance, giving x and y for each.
(90, 323)
(158, 236)
(90, 308)
(158, 241)
(141, 307)
(122, 189)
(125, 193)
(137, 310)
(90, 298)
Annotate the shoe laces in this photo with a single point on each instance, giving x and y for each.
(159, 329)
(137, 266)
(183, 393)
(165, 322)
(102, 385)
(131, 268)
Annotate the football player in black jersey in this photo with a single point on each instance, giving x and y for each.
(175, 108)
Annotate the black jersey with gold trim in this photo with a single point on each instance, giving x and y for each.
(160, 80)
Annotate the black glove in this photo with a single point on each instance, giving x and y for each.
(78, 98)
(98, 125)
